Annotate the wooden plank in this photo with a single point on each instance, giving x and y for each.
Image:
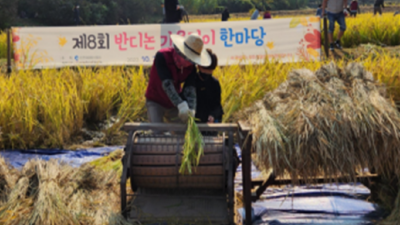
(154, 160)
(173, 140)
(163, 149)
(245, 143)
(317, 180)
(189, 181)
(174, 171)
(244, 126)
(9, 51)
(218, 127)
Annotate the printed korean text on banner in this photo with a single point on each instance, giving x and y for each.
(244, 42)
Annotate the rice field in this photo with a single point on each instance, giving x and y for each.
(48, 108)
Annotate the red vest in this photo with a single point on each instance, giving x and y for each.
(154, 91)
(354, 6)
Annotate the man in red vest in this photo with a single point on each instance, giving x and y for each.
(171, 68)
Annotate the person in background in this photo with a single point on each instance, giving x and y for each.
(377, 6)
(319, 11)
(183, 14)
(172, 13)
(396, 13)
(267, 15)
(225, 14)
(255, 14)
(354, 8)
(335, 12)
(171, 68)
(76, 15)
(163, 12)
(208, 92)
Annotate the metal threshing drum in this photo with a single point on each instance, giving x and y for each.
(156, 160)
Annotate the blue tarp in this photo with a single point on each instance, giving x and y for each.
(18, 158)
(319, 204)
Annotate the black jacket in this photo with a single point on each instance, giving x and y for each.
(225, 15)
(172, 15)
(208, 92)
(379, 3)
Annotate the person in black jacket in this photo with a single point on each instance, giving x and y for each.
(225, 14)
(76, 15)
(208, 92)
(172, 13)
(377, 6)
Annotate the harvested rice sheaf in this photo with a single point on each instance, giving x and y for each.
(329, 123)
(55, 193)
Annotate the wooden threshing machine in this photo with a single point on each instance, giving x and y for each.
(206, 197)
(161, 193)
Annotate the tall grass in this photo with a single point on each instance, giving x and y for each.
(47, 108)
(367, 28)
(3, 45)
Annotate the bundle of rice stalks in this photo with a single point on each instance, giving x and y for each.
(8, 178)
(56, 193)
(110, 162)
(193, 147)
(328, 123)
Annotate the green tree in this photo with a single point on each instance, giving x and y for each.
(236, 5)
(8, 11)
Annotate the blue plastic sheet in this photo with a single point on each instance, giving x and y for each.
(317, 204)
(18, 158)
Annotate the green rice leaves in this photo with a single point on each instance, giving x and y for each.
(193, 147)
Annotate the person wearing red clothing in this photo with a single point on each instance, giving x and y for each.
(267, 15)
(354, 9)
(171, 68)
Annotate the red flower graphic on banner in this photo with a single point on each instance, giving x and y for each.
(310, 45)
(314, 39)
(15, 38)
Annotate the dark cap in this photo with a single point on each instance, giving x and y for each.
(214, 60)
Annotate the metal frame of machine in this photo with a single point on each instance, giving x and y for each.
(133, 128)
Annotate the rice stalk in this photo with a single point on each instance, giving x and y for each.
(49, 207)
(193, 147)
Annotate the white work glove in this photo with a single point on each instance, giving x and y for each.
(192, 112)
(184, 111)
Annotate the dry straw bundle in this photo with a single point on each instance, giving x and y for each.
(329, 123)
(55, 193)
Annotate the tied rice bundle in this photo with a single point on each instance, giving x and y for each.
(329, 123)
(55, 193)
(193, 147)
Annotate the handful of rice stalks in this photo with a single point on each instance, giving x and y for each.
(330, 123)
(193, 147)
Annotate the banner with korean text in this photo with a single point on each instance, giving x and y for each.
(236, 42)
